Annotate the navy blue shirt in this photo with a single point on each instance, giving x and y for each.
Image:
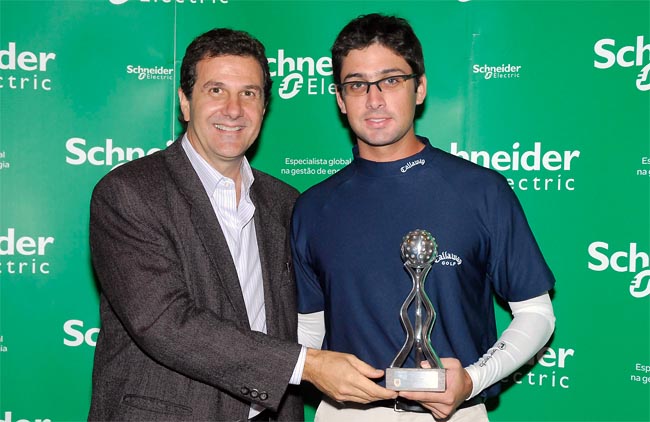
(346, 237)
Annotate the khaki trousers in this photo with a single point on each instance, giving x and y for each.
(329, 411)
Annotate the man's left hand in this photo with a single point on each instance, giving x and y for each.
(442, 405)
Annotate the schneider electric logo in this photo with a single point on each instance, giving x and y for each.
(503, 71)
(150, 73)
(120, 2)
(20, 417)
(630, 261)
(633, 55)
(547, 369)
(541, 169)
(301, 74)
(23, 254)
(22, 69)
(80, 153)
(77, 335)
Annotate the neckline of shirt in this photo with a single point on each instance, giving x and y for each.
(396, 168)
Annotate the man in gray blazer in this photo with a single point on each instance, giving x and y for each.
(191, 252)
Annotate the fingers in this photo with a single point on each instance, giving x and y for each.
(426, 397)
(374, 392)
(451, 363)
(358, 385)
(443, 404)
(365, 369)
(343, 377)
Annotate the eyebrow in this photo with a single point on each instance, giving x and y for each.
(381, 73)
(211, 84)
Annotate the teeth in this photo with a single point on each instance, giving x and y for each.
(229, 128)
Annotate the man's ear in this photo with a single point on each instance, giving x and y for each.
(421, 91)
(339, 101)
(185, 105)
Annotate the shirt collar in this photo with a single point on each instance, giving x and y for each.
(396, 168)
(210, 177)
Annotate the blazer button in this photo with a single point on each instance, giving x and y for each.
(245, 391)
(254, 393)
(263, 395)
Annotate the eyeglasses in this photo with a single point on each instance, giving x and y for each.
(390, 83)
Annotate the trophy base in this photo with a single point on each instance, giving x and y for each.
(416, 379)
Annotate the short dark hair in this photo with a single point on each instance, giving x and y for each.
(223, 42)
(392, 32)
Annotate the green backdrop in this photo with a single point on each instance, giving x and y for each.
(554, 94)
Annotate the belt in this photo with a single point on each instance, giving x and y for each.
(404, 405)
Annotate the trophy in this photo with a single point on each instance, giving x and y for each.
(419, 250)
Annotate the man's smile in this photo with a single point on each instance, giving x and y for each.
(228, 128)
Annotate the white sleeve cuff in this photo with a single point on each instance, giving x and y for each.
(296, 377)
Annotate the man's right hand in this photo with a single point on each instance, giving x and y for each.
(344, 377)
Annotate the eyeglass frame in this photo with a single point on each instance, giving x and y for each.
(342, 85)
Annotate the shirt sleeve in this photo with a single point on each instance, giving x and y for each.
(311, 329)
(517, 268)
(296, 376)
(310, 292)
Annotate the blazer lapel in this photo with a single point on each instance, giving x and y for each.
(271, 241)
(205, 224)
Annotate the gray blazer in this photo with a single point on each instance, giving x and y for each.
(175, 343)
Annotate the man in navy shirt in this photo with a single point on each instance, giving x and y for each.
(347, 232)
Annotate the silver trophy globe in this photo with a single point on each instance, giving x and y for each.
(419, 251)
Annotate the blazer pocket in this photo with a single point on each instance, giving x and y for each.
(152, 404)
